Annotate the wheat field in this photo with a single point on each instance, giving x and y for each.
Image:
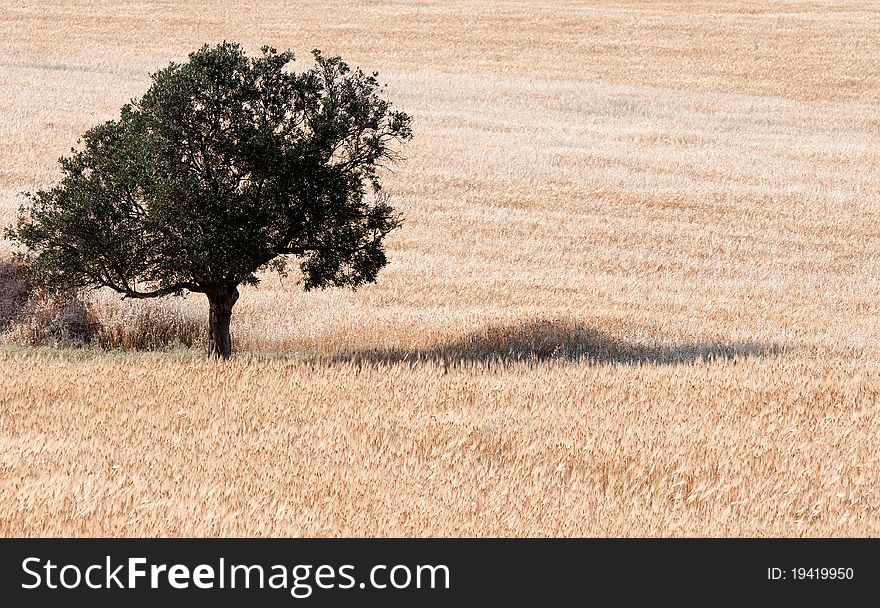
(635, 292)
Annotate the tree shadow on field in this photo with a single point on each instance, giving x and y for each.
(565, 341)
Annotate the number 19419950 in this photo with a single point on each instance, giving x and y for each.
(821, 574)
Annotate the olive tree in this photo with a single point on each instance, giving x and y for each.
(228, 166)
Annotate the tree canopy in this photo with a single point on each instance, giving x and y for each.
(226, 167)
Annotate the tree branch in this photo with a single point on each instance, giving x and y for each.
(128, 292)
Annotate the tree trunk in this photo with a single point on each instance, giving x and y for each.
(221, 301)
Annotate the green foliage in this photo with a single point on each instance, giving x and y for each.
(228, 165)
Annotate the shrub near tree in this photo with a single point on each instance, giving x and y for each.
(226, 167)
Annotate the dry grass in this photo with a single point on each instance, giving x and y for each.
(636, 291)
(275, 447)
